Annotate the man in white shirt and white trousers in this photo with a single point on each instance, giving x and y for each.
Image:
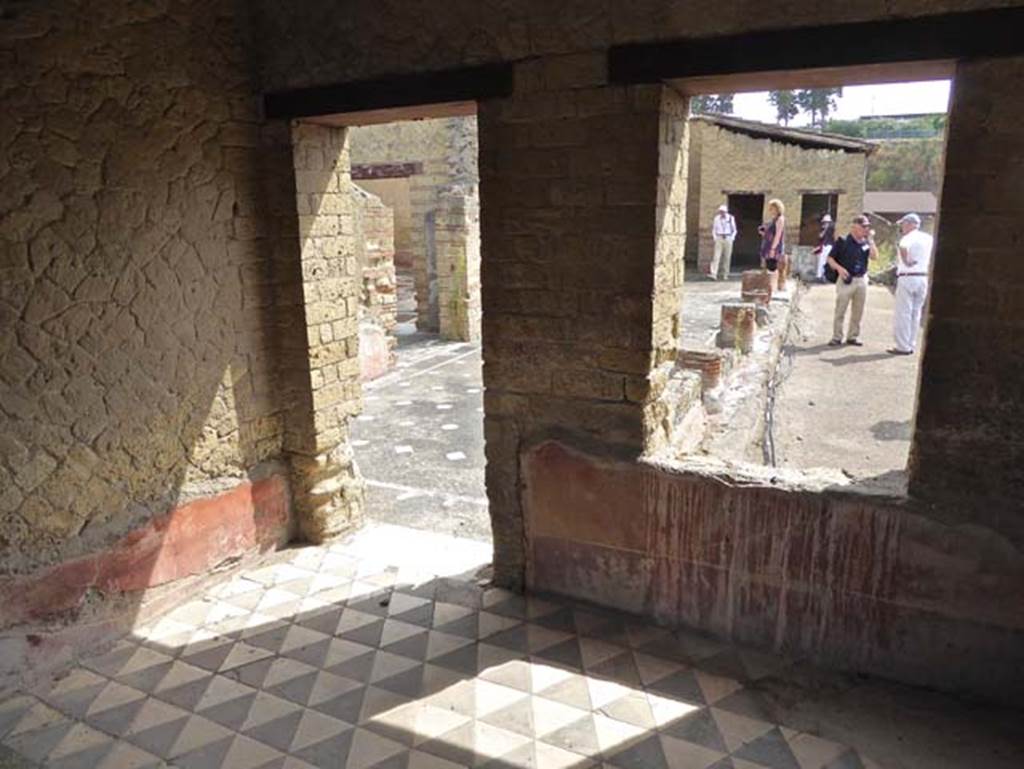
(913, 263)
(723, 230)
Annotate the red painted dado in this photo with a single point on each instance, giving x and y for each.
(189, 540)
(865, 583)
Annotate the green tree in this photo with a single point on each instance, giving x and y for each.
(786, 105)
(712, 104)
(819, 102)
(907, 165)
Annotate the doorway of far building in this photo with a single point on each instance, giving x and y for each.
(748, 209)
(813, 206)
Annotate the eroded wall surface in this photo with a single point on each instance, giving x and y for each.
(136, 281)
(847, 580)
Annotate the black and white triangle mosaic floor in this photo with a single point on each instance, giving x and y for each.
(336, 657)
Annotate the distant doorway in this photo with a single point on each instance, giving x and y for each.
(813, 206)
(748, 210)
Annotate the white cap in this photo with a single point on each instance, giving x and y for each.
(723, 207)
(826, 218)
(912, 218)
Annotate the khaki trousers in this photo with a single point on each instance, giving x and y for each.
(721, 261)
(855, 293)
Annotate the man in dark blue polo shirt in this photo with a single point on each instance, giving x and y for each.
(849, 258)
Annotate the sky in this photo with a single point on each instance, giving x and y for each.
(859, 100)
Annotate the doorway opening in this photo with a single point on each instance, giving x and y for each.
(419, 438)
(748, 209)
(391, 249)
(813, 207)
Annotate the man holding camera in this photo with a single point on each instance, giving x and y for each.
(849, 259)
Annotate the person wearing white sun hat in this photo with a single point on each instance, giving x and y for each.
(723, 230)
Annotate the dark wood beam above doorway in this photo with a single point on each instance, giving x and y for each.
(938, 38)
(406, 96)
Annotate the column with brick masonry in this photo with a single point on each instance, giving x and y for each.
(969, 439)
(423, 204)
(575, 329)
(457, 242)
(328, 489)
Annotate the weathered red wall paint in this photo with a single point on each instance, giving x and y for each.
(189, 540)
(855, 582)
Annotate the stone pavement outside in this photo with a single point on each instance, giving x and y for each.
(846, 407)
(386, 651)
(419, 441)
(702, 308)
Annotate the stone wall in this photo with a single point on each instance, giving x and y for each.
(734, 162)
(457, 247)
(411, 36)
(445, 149)
(394, 193)
(847, 580)
(327, 486)
(134, 372)
(968, 442)
(570, 180)
(137, 376)
(378, 301)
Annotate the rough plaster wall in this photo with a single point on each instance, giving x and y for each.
(387, 37)
(133, 336)
(735, 162)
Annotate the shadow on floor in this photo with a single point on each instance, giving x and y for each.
(319, 661)
(890, 430)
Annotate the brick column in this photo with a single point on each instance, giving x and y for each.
(323, 362)
(457, 243)
(969, 441)
(572, 205)
(423, 206)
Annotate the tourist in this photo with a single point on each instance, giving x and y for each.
(826, 238)
(849, 259)
(723, 230)
(912, 264)
(773, 239)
